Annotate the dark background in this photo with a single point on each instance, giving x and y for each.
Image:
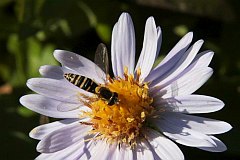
(30, 30)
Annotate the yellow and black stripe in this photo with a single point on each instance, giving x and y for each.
(82, 82)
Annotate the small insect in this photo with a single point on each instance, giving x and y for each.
(87, 84)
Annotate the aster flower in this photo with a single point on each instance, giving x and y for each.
(153, 108)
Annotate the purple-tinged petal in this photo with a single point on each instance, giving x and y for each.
(80, 64)
(125, 152)
(149, 50)
(171, 59)
(73, 152)
(63, 138)
(159, 43)
(219, 147)
(162, 146)
(48, 107)
(184, 84)
(121, 152)
(189, 104)
(41, 131)
(114, 56)
(199, 124)
(110, 152)
(202, 59)
(54, 72)
(103, 150)
(181, 134)
(143, 151)
(56, 89)
(85, 151)
(180, 65)
(123, 45)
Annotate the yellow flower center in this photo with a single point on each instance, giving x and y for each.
(122, 121)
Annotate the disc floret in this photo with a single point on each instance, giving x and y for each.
(122, 122)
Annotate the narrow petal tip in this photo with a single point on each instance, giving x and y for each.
(21, 100)
(151, 19)
(56, 53)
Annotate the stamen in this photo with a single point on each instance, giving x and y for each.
(138, 75)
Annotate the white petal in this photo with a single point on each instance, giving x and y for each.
(56, 89)
(220, 146)
(159, 43)
(182, 135)
(63, 138)
(73, 152)
(189, 104)
(123, 45)
(98, 151)
(110, 151)
(117, 153)
(144, 151)
(149, 50)
(202, 59)
(114, 56)
(85, 151)
(47, 106)
(171, 59)
(125, 152)
(180, 65)
(81, 65)
(184, 84)
(164, 147)
(103, 150)
(55, 72)
(41, 131)
(199, 124)
(121, 152)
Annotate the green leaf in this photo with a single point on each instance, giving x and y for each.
(181, 30)
(104, 31)
(33, 56)
(24, 112)
(20, 135)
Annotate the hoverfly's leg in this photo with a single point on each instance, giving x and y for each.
(85, 99)
(87, 123)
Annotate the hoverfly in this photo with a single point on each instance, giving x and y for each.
(87, 84)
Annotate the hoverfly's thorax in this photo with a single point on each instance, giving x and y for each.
(106, 94)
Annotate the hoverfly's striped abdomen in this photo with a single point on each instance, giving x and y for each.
(82, 82)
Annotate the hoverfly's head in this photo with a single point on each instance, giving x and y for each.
(114, 99)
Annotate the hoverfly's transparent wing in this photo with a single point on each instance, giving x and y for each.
(101, 60)
(66, 105)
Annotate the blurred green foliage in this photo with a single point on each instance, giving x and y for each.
(30, 30)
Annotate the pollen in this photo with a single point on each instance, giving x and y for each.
(123, 121)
